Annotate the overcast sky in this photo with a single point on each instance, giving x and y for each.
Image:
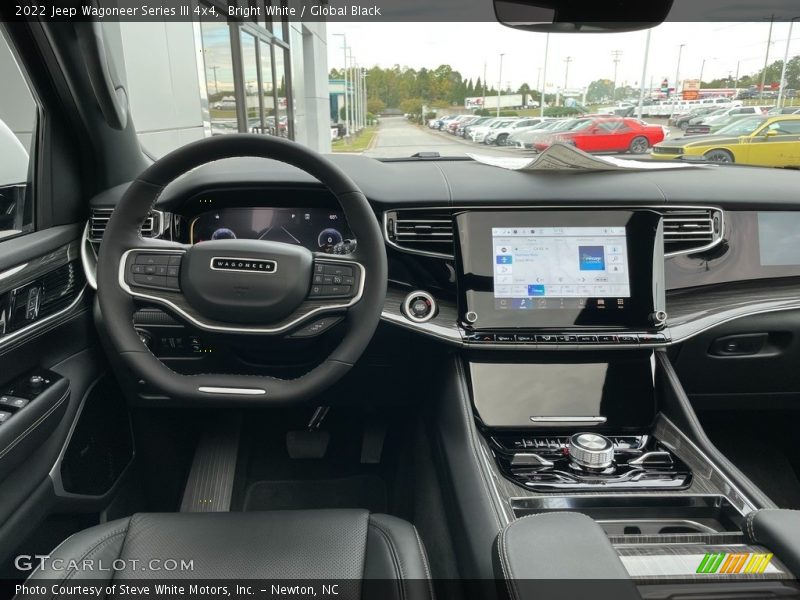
(467, 46)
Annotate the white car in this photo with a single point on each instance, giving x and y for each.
(500, 135)
(479, 134)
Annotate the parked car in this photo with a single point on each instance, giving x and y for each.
(784, 110)
(526, 139)
(475, 121)
(499, 135)
(682, 120)
(757, 140)
(721, 118)
(478, 135)
(608, 134)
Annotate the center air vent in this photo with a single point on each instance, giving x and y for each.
(691, 230)
(427, 232)
(99, 220)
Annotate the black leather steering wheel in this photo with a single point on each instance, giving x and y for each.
(242, 287)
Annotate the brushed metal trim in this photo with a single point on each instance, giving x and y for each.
(12, 271)
(227, 390)
(570, 420)
(4, 340)
(453, 209)
(89, 263)
(229, 329)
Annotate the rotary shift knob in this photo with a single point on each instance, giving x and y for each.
(591, 450)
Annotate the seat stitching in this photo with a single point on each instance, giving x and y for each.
(749, 525)
(505, 565)
(424, 557)
(91, 551)
(395, 560)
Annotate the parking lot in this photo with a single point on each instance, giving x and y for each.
(397, 137)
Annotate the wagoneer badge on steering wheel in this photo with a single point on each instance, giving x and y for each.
(249, 265)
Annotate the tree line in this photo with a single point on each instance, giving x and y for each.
(409, 89)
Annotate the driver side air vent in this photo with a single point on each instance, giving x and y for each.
(99, 220)
(691, 230)
(428, 232)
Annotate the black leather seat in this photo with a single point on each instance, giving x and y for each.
(324, 545)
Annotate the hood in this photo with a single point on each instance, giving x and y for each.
(699, 140)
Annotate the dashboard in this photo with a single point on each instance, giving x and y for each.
(528, 260)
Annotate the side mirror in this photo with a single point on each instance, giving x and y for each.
(770, 133)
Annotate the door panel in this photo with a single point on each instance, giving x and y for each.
(46, 331)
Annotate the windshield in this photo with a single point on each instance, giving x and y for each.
(367, 88)
(742, 126)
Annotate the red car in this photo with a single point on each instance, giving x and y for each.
(608, 134)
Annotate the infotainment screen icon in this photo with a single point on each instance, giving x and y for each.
(573, 264)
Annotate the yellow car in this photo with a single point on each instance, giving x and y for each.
(764, 141)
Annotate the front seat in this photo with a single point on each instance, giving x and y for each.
(324, 545)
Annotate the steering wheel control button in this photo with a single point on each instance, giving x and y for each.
(154, 270)
(591, 450)
(147, 258)
(316, 328)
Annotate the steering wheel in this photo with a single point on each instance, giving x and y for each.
(247, 287)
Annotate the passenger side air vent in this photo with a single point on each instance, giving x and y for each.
(420, 231)
(691, 230)
(99, 220)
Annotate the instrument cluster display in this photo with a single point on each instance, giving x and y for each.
(318, 229)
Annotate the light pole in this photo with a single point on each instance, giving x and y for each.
(677, 76)
(483, 103)
(640, 108)
(766, 58)
(785, 59)
(500, 83)
(616, 58)
(567, 60)
(346, 104)
(544, 76)
(736, 82)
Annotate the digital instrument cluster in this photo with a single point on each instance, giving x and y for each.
(318, 229)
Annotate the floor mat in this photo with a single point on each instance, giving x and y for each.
(358, 491)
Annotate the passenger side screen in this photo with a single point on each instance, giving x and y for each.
(560, 267)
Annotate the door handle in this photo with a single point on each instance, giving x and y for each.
(745, 344)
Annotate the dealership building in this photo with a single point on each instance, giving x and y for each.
(189, 80)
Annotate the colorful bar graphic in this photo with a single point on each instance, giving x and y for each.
(731, 563)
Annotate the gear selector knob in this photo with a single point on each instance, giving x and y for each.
(591, 450)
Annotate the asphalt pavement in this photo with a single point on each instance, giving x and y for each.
(399, 138)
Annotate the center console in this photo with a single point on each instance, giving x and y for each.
(595, 421)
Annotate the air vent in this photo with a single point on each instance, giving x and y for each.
(59, 288)
(691, 230)
(100, 216)
(428, 232)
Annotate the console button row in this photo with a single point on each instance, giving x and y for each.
(159, 271)
(555, 339)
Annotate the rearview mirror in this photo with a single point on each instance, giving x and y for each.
(770, 133)
(579, 16)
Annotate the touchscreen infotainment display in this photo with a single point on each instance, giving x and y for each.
(558, 267)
